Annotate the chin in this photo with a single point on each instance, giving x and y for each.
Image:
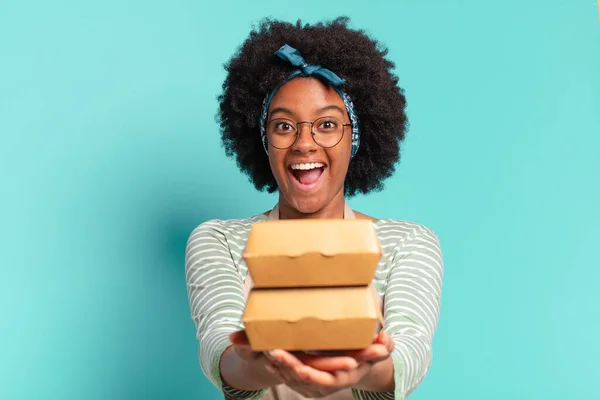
(309, 205)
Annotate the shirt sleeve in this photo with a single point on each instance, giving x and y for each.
(216, 298)
(411, 311)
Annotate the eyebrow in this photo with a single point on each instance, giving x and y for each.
(281, 110)
(331, 107)
(319, 111)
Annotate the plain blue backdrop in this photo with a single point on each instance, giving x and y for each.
(110, 156)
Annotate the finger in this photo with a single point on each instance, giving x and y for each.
(311, 376)
(269, 357)
(285, 358)
(274, 366)
(285, 364)
(374, 353)
(391, 344)
(385, 339)
(344, 378)
(243, 353)
(328, 363)
(271, 368)
(374, 350)
(286, 374)
(239, 338)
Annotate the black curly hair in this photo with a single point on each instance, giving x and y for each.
(254, 70)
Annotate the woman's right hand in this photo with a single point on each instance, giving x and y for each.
(241, 346)
(244, 369)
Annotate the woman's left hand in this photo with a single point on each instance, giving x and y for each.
(315, 383)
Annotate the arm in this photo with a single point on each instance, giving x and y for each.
(216, 297)
(411, 309)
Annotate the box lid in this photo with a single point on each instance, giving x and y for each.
(312, 253)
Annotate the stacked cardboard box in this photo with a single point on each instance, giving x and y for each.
(312, 285)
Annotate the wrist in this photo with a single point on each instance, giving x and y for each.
(380, 378)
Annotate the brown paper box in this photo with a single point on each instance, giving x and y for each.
(312, 253)
(312, 285)
(305, 319)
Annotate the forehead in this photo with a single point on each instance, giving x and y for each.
(305, 94)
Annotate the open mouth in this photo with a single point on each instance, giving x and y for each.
(307, 174)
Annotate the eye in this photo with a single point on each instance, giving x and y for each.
(283, 126)
(327, 125)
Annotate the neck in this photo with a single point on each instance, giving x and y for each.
(334, 209)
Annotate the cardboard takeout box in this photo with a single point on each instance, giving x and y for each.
(312, 253)
(309, 319)
(312, 285)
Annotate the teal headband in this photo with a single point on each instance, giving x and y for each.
(293, 56)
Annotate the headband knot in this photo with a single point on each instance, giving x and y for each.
(294, 57)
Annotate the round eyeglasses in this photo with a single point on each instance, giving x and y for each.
(327, 132)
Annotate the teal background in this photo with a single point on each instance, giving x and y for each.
(110, 156)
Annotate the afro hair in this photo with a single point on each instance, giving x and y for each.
(254, 70)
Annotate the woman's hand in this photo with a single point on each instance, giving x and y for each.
(264, 367)
(244, 369)
(304, 373)
(242, 348)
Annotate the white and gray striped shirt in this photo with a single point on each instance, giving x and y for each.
(408, 279)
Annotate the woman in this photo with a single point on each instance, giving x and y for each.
(314, 113)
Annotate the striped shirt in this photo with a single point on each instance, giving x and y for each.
(408, 279)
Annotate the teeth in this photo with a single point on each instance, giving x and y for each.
(306, 166)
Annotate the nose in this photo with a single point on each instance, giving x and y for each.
(305, 142)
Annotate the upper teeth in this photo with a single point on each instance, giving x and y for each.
(307, 165)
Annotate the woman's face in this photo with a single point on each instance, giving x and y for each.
(309, 176)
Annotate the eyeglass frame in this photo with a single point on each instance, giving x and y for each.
(297, 134)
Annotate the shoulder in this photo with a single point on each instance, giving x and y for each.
(401, 229)
(219, 234)
(398, 229)
(224, 227)
(406, 236)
